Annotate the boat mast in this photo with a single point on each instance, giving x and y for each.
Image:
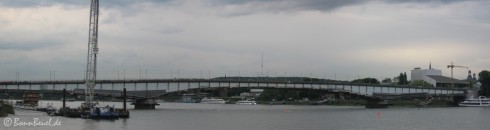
(90, 73)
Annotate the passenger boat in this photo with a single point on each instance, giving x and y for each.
(246, 102)
(481, 101)
(212, 101)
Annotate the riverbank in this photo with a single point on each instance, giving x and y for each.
(396, 103)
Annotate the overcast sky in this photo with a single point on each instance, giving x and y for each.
(342, 39)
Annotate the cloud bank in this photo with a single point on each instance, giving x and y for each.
(164, 39)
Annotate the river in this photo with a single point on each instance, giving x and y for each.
(194, 116)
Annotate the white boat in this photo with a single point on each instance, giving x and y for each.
(481, 101)
(212, 101)
(246, 102)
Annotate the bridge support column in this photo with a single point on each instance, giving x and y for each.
(223, 92)
(124, 99)
(64, 102)
(125, 112)
(145, 103)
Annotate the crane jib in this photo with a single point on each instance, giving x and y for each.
(93, 50)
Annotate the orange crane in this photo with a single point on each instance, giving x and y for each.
(452, 67)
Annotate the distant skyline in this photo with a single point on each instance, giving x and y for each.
(335, 39)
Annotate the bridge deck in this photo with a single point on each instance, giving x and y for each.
(172, 85)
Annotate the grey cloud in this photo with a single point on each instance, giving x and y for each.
(274, 5)
(33, 3)
(103, 3)
(246, 7)
(26, 46)
(253, 6)
(423, 1)
(322, 5)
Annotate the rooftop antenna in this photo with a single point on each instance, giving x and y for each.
(430, 65)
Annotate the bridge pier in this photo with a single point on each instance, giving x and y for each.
(223, 92)
(144, 103)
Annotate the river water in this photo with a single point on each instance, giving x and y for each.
(194, 116)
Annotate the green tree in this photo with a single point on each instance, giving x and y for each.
(402, 79)
(366, 80)
(484, 78)
(421, 83)
(269, 94)
(387, 80)
(405, 79)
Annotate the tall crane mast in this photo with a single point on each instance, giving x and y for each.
(452, 67)
(91, 72)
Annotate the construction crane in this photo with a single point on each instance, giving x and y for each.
(452, 66)
(91, 72)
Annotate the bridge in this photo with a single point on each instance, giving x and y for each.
(176, 85)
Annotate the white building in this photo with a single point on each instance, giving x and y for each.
(420, 74)
(435, 78)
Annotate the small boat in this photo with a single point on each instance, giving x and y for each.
(481, 101)
(187, 100)
(106, 112)
(246, 102)
(212, 101)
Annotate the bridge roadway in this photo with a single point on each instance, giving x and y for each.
(174, 85)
